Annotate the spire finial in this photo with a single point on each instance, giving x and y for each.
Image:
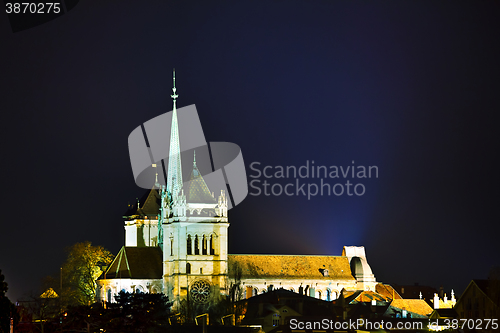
(156, 171)
(174, 89)
(194, 158)
(174, 175)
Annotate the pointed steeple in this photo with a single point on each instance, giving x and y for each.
(197, 190)
(174, 181)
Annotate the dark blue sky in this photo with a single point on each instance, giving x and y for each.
(409, 86)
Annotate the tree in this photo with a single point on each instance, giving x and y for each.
(80, 271)
(236, 291)
(7, 308)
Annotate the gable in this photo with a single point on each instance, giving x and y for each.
(136, 263)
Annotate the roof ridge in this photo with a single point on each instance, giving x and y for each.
(287, 255)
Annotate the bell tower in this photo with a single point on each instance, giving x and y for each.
(193, 233)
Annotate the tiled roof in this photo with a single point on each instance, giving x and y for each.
(136, 263)
(446, 305)
(418, 306)
(367, 297)
(196, 189)
(290, 266)
(148, 205)
(387, 291)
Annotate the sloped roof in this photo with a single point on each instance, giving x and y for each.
(446, 305)
(443, 313)
(49, 293)
(490, 288)
(148, 205)
(366, 297)
(290, 266)
(418, 306)
(387, 291)
(196, 189)
(136, 263)
(276, 299)
(277, 296)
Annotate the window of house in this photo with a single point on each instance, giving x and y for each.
(276, 319)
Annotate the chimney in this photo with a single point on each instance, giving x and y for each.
(436, 301)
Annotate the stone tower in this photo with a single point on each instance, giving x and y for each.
(192, 233)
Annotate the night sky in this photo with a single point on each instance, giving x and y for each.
(411, 87)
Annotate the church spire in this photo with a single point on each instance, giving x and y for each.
(174, 181)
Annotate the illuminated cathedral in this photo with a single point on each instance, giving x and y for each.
(176, 240)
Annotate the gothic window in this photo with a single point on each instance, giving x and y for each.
(319, 294)
(109, 296)
(328, 294)
(200, 291)
(189, 245)
(196, 245)
(212, 250)
(201, 270)
(188, 268)
(204, 245)
(171, 246)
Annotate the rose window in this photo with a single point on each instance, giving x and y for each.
(200, 291)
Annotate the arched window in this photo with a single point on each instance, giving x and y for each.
(204, 246)
(108, 298)
(196, 245)
(212, 250)
(171, 246)
(319, 294)
(188, 268)
(189, 245)
(328, 294)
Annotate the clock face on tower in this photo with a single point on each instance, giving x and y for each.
(200, 291)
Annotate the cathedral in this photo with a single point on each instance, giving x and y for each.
(176, 243)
